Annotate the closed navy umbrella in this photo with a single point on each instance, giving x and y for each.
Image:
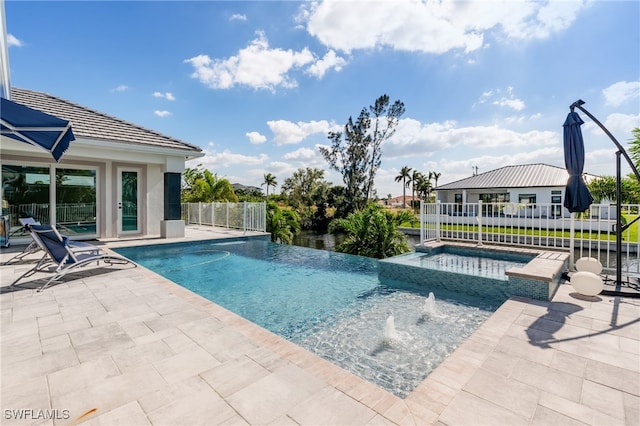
(35, 127)
(577, 197)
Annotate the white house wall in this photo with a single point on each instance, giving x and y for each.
(155, 198)
(543, 194)
(106, 157)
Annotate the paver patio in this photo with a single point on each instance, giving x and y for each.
(125, 346)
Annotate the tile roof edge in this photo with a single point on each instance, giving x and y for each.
(111, 117)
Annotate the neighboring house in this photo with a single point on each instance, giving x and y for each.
(116, 179)
(521, 184)
(238, 187)
(398, 201)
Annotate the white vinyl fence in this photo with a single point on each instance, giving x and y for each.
(245, 216)
(538, 225)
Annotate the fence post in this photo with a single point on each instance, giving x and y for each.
(199, 212)
(438, 210)
(264, 217)
(213, 214)
(244, 217)
(479, 219)
(422, 219)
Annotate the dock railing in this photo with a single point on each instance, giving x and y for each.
(245, 216)
(549, 226)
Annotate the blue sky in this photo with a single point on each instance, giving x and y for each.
(259, 84)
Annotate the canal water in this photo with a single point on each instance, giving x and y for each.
(330, 241)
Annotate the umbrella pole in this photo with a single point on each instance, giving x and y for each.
(621, 151)
(618, 222)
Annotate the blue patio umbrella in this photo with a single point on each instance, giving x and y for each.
(35, 127)
(577, 197)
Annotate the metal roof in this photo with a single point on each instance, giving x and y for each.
(91, 124)
(520, 176)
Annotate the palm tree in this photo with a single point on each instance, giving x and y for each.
(373, 232)
(424, 188)
(415, 179)
(283, 224)
(269, 180)
(403, 176)
(436, 176)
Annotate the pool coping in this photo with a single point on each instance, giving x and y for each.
(508, 372)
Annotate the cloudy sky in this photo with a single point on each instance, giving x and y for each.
(259, 84)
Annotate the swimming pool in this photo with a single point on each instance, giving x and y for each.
(332, 304)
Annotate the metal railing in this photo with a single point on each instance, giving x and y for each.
(65, 213)
(551, 226)
(245, 216)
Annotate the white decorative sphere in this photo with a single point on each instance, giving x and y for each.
(589, 264)
(587, 283)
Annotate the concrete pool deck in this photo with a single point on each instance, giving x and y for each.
(122, 345)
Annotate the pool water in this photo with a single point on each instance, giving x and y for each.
(463, 263)
(332, 304)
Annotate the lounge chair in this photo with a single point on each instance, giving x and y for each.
(34, 246)
(60, 258)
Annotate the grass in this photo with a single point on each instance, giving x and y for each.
(631, 234)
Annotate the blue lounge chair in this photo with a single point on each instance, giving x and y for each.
(34, 246)
(60, 258)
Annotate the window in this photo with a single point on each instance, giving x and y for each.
(495, 198)
(76, 201)
(527, 198)
(556, 208)
(25, 192)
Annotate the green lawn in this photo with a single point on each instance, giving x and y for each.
(630, 234)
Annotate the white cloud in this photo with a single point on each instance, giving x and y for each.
(621, 92)
(328, 62)
(414, 138)
(167, 95)
(121, 88)
(163, 113)
(287, 132)
(503, 98)
(12, 41)
(433, 26)
(256, 138)
(301, 154)
(238, 17)
(516, 104)
(214, 160)
(621, 126)
(257, 66)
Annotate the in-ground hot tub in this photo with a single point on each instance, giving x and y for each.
(480, 270)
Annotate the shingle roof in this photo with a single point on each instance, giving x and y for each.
(91, 124)
(520, 176)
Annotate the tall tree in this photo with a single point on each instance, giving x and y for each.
(357, 151)
(269, 180)
(436, 176)
(415, 180)
(404, 176)
(305, 191)
(202, 185)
